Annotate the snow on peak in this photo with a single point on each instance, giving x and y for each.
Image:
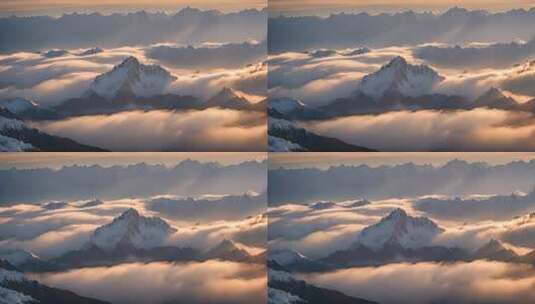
(225, 246)
(399, 228)
(494, 245)
(227, 93)
(322, 205)
(10, 296)
(285, 256)
(228, 97)
(279, 124)
(285, 105)
(400, 77)
(91, 51)
(279, 276)
(132, 229)
(18, 105)
(11, 124)
(17, 257)
(322, 53)
(9, 144)
(131, 77)
(494, 249)
(494, 92)
(277, 144)
(55, 53)
(11, 276)
(277, 296)
(495, 97)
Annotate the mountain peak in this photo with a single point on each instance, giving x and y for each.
(495, 250)
(227, 250)
(228, 98)
(455, 11)
(226, 244)
(132, 78)
(495, 98)
(285, 105)
(493, 93)
(18, 257)
(396, 214)
(397, 61)
(398, 77)
(130, 62)
(494, 243)
(227, 92)
(286, 256)
(129, 214)
(400, 228)
(18, 105)
(132, 229)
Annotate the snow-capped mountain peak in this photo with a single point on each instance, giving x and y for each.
(494, 92)
(285, 105)
(229, 250)
(285, 256)
(18, 105)
(132, 229)
(10, 125)
(227, 92)
(399, 228)
(132, 78)
(18, 257)
(398, 77)
(228, 98)
(225, 246)
(494, 249)
(494, 245)
(495, 98)
(91, 51)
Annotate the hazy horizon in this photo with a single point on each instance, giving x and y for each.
(57, 160)
(319, 8)
(58, 8)
(327, 159)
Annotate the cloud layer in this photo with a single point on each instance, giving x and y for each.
(206, 130)
(473, 130)
(50, 80)
(207, 282)
(479, 282)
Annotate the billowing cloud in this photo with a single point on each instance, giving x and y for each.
(207, 282)
(230, 55)
(206, 130)
(317, 233)
(223, 208)
(250, 79)
(250, 232)
(50, 233)
(317, 81)
(486, 208)
(52, 80)
(474, 130)
(476, 282)
(499, 55)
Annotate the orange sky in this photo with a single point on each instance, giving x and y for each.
(57, 160)
(324, 160)
(394, 5)
(59, 6)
